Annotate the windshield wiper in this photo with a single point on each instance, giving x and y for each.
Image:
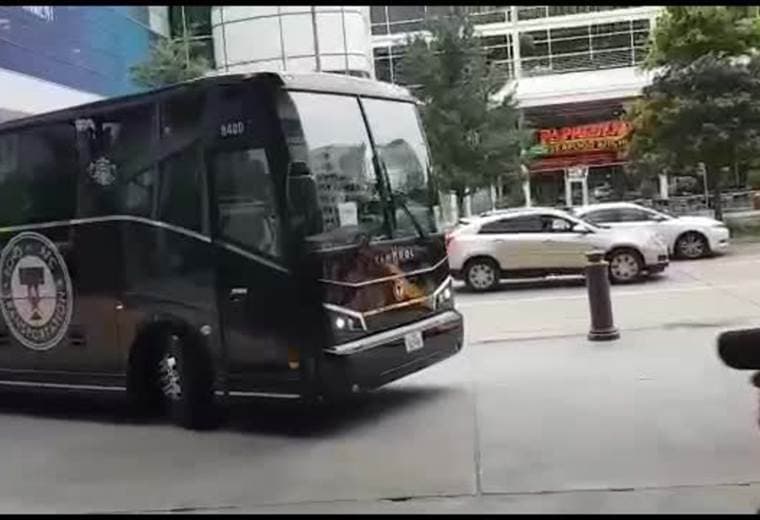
(400, 198)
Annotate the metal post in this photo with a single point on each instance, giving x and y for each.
(602, 325)
(316, 37)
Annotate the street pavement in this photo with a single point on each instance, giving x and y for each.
(530, 417)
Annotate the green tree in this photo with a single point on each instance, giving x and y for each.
(701, 110)
(705, 113)
(684, 33)
(475, 141)
(170, 61)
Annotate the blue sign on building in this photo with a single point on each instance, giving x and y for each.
(88, 48)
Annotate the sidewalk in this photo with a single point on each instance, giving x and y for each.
(737, 499)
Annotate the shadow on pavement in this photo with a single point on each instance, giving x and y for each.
(296, 420)
(245, 416)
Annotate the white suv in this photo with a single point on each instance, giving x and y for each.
(534, 242)
(686, 237)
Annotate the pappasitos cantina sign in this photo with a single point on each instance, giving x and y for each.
(609, 136)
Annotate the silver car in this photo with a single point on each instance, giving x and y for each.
(535, 242)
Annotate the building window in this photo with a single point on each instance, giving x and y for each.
(379, 19)
(498, 53)
(587, 47)
(194, 23)
(497, 50)
(533, 12)
(395, 19)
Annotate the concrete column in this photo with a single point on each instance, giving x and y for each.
(526, 193)
(584, 183)
(526, 186)
(568, 190)
(468, 205)
(515, 43)
(664, 186)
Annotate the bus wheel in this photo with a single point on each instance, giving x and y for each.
(186, 383)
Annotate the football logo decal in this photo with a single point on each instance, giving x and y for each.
(36, 298)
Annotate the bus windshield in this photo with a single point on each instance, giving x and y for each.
(403, 155)
(328, 133)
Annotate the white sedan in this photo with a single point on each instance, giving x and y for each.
(686, 237)
(534, 242)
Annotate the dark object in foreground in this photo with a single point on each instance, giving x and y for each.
(602, 325)
(740, 349)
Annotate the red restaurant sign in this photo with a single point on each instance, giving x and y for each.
(597, 143)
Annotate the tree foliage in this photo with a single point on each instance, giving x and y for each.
(684, 33)
(170, 61)
(474, 141)
(703, 108)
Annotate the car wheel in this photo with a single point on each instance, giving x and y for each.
(185, 383)
(625, 266)
(482, 274)
(692, 245)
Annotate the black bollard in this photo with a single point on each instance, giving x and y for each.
(602, 326)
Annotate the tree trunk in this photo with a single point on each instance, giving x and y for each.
(460, 203)
(717, 203)
(713, 176)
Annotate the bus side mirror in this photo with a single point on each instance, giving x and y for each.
(302, 199)
(298, 169)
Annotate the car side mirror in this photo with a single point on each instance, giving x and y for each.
(580, 228)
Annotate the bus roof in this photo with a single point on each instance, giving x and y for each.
(315, 82)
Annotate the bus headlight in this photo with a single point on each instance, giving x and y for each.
(444, 296)
(345, 320)
(342, 323)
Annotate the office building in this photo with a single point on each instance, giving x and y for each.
(569, 67)
(55, 56)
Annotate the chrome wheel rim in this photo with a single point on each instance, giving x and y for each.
(168, 370)
(624, 267)
(481, 276)
(692, 246)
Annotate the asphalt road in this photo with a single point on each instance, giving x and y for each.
(529, 417)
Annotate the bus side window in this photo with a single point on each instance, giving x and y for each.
(116, 155)
(38, 170)
(246, 202)
(181, 189)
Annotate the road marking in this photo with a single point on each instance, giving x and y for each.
(584, 296)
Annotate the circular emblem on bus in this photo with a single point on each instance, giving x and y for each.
(35, 291)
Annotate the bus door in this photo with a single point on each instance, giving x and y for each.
(254, 286)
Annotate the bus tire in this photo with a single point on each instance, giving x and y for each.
(143, 391)
(186, 382)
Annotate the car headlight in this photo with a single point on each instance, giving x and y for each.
(720, 225)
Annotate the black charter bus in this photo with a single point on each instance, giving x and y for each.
(239, 235)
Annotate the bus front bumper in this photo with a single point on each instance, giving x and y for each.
(376, 360)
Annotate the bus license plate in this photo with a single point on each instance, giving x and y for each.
(413, 341)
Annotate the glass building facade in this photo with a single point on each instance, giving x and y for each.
(194, 23)
(524, 40)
